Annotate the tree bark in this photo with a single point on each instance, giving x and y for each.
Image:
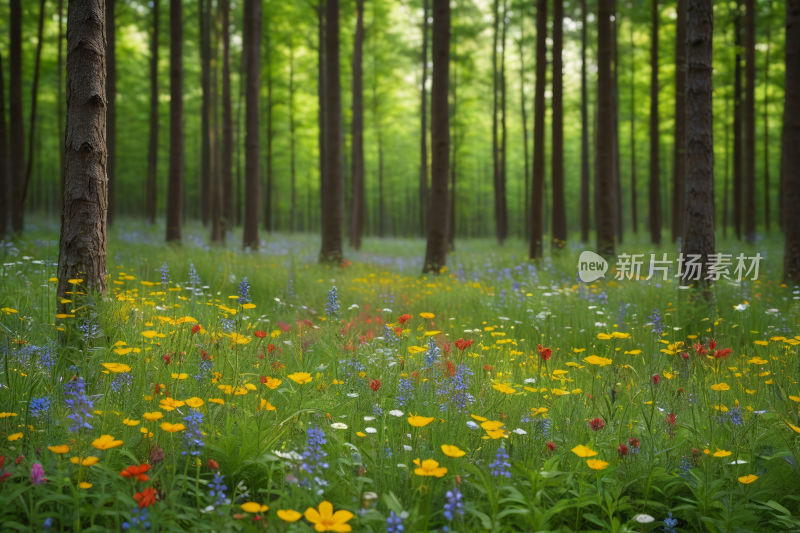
(791, 155)
(585, 213)
(654, 192)
(16, 163)
(252, 148)
(331, 250)
(604, 160)
(537, 192)
(357, 143)
(423, 147)
(559, 209)
(176, 141)
(152, 150)
(679, 154)
(60, 105)
(615, 151)
(379, 138)
(737, 125)
(436, 249)
(82, 247)
(767, 214)
(5, 186)
(750, 123)
(204, 16)
(34, 105)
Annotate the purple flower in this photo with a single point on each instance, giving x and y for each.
(37, 474)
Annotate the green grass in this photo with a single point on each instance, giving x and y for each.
(491, 295)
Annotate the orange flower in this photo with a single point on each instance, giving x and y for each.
(145, 498)
(136, 472)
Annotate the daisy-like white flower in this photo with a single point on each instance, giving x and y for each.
(396, 413)
(520, 431)
(339, 425)
(371, 430)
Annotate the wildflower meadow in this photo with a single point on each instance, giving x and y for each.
(224, 390)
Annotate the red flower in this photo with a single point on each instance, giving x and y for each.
(404, 318)
(700, 349)
(204, 355)
(685, 356)
(450, 369)
(4, 476)
(680, 390)
(286, 328)
(375, 384)
(136, 472)
(551, 446)
(259, 334)
(415, 374)
(196, 328)
(271, 348)
(656, 379)
(596, 424)
(622, 449)
(713, 344)
(446, 346)
(167, 359)
(722, 354)
(398, 330)
(634, 442)
(671, 419)
(462, 344)
(546, 353)
(145, 498)
(212, 464)
(263, 380)
(2, 460)
(488, 368)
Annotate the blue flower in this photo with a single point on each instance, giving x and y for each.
(500, 466)
(217, 488)
(244, 291)
(193, 437)
(332, 306)
(394, 524)
(79, 405)
(164, 275)
(389, 336)
(670, 524)
(453, 507)
(658, 322)
(39, 406)
(194, 278)
(313, 457)
(433, 352)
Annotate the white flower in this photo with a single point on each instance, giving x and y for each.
(339, 425)
(352, 394)
(740, 307)
(530, 380)
(370, 496)
(287, 343)
(401, 465)
(369, 418)
(396, 413)
(503, 318)
(291, 456)
(643, 518)
(471, 424)
(406, 447)
(371, 430)
(738, 462)
(520, 431)
(385, 310)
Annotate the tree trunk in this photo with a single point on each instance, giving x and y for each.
(737, 125)
(436, 249)
(767, 215)
(331, 250)
(503, 221)
(34, 105)
(252, 147)
(423, 147)
(634, 215)
(537, 192)
(679, 157)
(227, 124)
(357, 143)
(82, 247)
(615, 151)
(791, 155)
(59, 106)
(292, 168)
(152, 150)
(655, 155)
(559, 209)
(5, 186)
(699, 217)
(750, 123)
(176, 148)
(585, 214)
(527, 195)
(379, 137)
(215, 185)
(604, 160)
(204, 15)
(268, 197)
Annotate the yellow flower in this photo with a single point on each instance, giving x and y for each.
(249, 306)
(496, 433)
(559, 392)
(217, 400)
(325, 519)
(172, 428)
(15, 436)
(748, 479)
(149, 334)
(452, 451)
(416, 349)
(288, 515)
(761, 343)
(170, 404)
(479, 418)
(595, 360)
(117, 368)
(250, 386)
(504, 388)
(603, 336)
(155, 415)
(59, 449)
(427, 316)
(721, 453)
(596, 464)
(129, 422)
(301, 378)
(619, 335)
(253, 507)
(431, 333)
(194, 402)
(361, 434)
(273, 384)
(419, 421)
(182, 375)
(267, 406)
(429, 467)
(582, 451)
(633, 352)
(89, 461)
(74, 281)
(106, 442)
(757, 361)
(123, 351)
(795, 398)
(719, 387)
(85, 485)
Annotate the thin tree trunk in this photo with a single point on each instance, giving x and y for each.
(502, 158)
(227, 124)
(737, 125)
(34, 105)
(252, 147)
(204, 16)
(495, 139)
(176, 140)
(791, 155)
(615, 153)
(750, 123)
(679, 151)
(5, 186)
(152, 150)
(423, 147)
(559, 209)
(655, 154)
(537, 193)
(585, 214)
(699, 217)
(357, 143)
(59, 106)
(292, 173)
(268, 199)
(634, 215)
(331, 250)
(82, 247)
(436, 249)
(767, 215)
(604, 160)
(526, 196)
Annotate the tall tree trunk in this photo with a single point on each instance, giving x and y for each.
(331, 250)
(268, 197)
(537, 192)
(436, 249)
(791, 155)
(495, 106)
(699, 217)
(767, 215)
(357, 143)
(59, 105)
(227, 124)
(292, 170)
(5, 186)
(503, 233)
(679, 153)
(16, 164)
(322, 117)
(204, 15)
(252, 147)
(750, 122)
(634, 215)
(152, 150)
(615, 152)
(34, 105)
(423, 147)
(604, 160)
(559, 209)
(585, 214)
(82, 247)
(176, 141)
(655, 154)
(737, 125)
(527, 195)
